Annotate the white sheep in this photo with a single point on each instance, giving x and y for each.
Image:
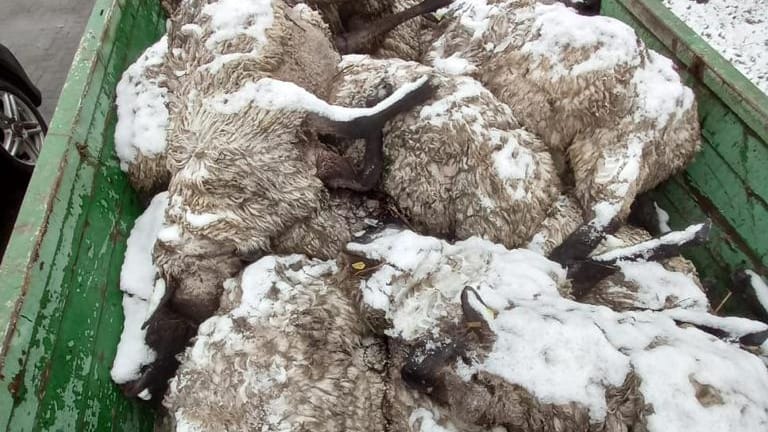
(246, 165)
(459, 165)
(487, 335)
(609, 109)
(286, 351)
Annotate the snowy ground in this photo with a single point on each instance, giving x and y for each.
(737, 29)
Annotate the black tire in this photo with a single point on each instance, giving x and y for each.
(7, 160)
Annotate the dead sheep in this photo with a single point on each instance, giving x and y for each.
(613, 113)
(286, 351)
(487, 335)
(245, 164)
(459, 165)
(142, 120)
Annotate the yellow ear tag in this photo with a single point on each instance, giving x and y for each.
(358, 265)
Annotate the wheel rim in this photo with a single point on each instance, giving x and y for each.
(22, 133)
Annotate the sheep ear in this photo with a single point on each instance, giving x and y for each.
(356, 41)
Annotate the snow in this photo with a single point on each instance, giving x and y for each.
(232, 18)
(137, 275)
(561, 29)
(760, 288)
(454, 65)
(169, 234)
(132, 352)
(261, 277)
(663, 218)
(671, 238)
(621, 170)
(513, 161)
(660, 95)
(738, 30)
(605, 212)
(200, 220)
(659, 287)
(563, 351)
(475, 15)
(141, 293)
(142, 116)
(441, 110)
(271, 94)
(734, 326)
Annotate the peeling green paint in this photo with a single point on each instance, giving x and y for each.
(61, 271)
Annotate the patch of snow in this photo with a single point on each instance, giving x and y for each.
(420, 258)
(561, 29)
(475, 15)
(200, 220)
(734, 326)
(132, 352)
(232, 18)
(738, 30)
(142, 292)
(137, 276)
(261, 277)
(621, 170)
(537, 243)
(513, 161)
(660, 94)
(566, 356)
(563, 351)
(663, 218)
(157, 296)
(604, 213)
(193, 29)
(440, 111)
(454, 65)
(169, 234)
(142, 116)
(658, 286)
(671, 238)
(271, 94)
(760, 288)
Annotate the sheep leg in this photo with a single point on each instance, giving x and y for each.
(666, 246)
(581, 243)
(749, 340)
(424, 372)
(373, 119)
(585, 274)
(337, 173)
(354, 41)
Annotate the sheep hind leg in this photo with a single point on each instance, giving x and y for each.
(586, 273)
(356, 40)
(336, 172)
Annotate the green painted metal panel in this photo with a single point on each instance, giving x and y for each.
(60, 304)
(727, 182)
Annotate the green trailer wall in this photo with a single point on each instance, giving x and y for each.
(60, 304)
(728, 181)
